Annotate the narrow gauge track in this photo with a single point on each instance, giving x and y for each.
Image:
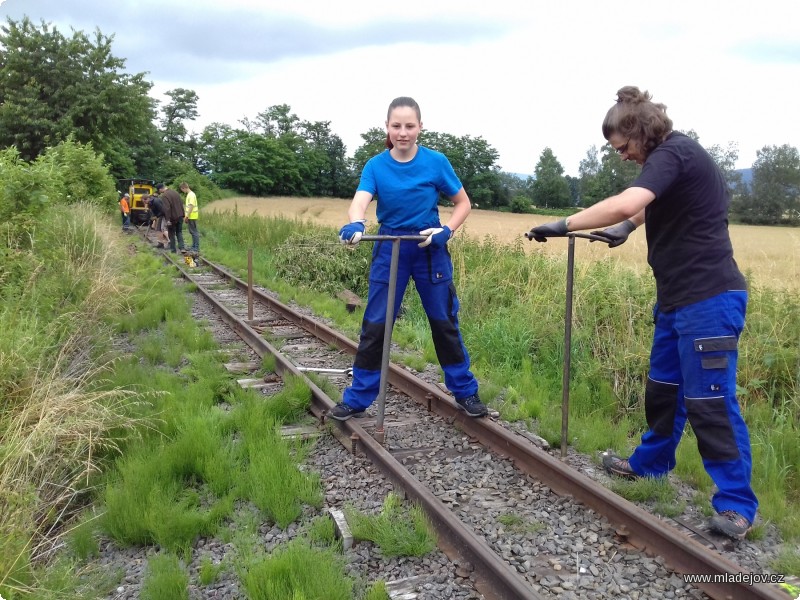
(428, 440)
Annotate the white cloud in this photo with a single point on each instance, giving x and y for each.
(522, 76)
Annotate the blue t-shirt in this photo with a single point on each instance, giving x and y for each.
(688, 245)
(408, 193)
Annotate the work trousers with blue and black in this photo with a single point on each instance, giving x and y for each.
(693, 376)
(432, 271)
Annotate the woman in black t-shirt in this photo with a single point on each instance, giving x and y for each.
(682, 198)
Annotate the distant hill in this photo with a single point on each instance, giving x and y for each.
(747, 176)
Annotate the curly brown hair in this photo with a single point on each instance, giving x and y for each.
(636, 116)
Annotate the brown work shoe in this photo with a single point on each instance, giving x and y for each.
(616, 465)
(731, 524)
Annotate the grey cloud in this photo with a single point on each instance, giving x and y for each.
(218, 44)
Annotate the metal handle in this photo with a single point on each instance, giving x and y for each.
(391, 238)
(576, 234)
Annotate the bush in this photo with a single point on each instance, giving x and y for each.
(520, 204)
(307, 259)
(65, 174)
(25, 189)
(84, 175)
(201, 185)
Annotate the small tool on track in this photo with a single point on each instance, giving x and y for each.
(348, 371)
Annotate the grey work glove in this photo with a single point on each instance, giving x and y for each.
(542, 232)
(616, 234)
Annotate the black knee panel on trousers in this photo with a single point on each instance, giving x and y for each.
(446, 342)
(712, 427)
(660, 404)
(370, 346)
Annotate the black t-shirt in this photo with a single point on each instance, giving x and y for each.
(688, 245)
(156, 206)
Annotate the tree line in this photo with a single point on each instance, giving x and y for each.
(54, 88)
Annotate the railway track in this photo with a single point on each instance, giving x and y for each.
(520, 522)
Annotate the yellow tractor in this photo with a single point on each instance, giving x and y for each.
(136, 188)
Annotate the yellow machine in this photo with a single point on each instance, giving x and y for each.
(136, 188)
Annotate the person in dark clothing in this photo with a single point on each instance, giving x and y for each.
(173, 211)
(156, 207)
(701, 299)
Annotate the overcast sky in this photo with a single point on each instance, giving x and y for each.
(524, 75)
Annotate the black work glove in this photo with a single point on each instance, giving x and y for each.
(542, 232)
(616, 234)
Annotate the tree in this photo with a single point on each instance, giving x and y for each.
(550, 188)
(513, 187)
(726, 161)
(324, 157)
(216, 145)
(614, 176)
(52, 87)
(775, 192)
(474, 161)
(181, 108)
(278, 121)
(589, 184)
(374, 144)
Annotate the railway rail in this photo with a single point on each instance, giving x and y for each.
(418, 464)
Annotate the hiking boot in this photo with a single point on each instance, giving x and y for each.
(616, 465)
(473, 406)
(342, 412)
(731, 524)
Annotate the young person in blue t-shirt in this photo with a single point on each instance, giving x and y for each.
(407, 180)
(701, 300)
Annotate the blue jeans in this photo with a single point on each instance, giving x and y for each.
(432, 271)
(693, 376)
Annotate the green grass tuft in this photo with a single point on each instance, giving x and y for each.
(165, 579)
(286, 574)
(398, 532)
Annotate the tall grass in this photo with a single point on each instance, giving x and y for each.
(134, 424)
(271, 478)
(512, 319)
(57, 426)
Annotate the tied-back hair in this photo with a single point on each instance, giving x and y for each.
(636, 116)
(397, 103)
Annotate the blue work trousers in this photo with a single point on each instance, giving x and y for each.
(693, 375)
(432, 270)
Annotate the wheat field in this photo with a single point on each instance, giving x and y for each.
(769, 256)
